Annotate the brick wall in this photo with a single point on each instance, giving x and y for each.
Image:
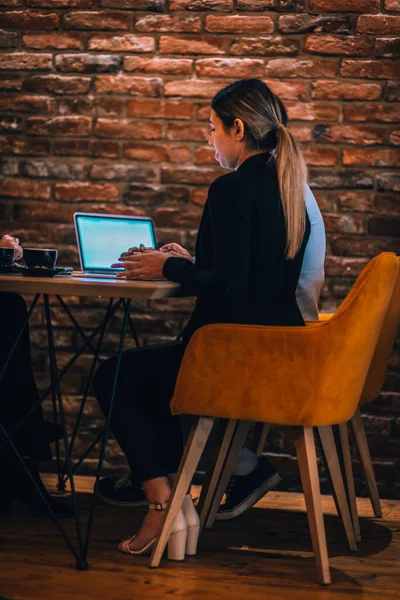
(104, 107)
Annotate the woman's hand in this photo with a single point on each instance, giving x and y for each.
(7, 241)
(142, 265)
(136, 249)
(176, 250)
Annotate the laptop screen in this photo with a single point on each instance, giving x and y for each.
(102, 238)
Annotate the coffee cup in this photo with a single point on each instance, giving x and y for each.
(40, 257)
(6, 256)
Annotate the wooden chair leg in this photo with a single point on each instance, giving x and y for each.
(194, 447)
(213, 473)
(351, 492)
(237, 443)
(307, 459)
(362, 445)
(329, 448)
(262, 439)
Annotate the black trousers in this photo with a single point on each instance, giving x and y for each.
(18, 391)
(150, 437)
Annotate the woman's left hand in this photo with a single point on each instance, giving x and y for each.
(142, 265)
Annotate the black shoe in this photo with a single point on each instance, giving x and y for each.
(121, 491)
(244, 491)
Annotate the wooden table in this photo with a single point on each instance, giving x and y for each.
(122, 290)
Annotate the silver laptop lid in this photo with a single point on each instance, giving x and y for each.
(101, 238)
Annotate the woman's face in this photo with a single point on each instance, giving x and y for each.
(229, 145)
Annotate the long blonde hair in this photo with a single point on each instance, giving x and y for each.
(264, 117)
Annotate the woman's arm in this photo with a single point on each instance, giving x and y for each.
(229, 221)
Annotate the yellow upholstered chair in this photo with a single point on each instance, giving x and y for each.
(297, 376)
(371, 390)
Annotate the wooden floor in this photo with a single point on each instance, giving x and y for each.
(266, 554)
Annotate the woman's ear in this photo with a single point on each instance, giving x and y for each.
(238, 130)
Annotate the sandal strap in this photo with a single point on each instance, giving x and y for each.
(158, 506)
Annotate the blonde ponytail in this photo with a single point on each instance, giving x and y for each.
(292, 178)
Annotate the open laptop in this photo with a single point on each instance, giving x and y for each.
(102, 238)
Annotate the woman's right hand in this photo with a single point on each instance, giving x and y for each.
(176, 250)
(7, 241)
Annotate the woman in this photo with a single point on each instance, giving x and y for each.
(249, 253)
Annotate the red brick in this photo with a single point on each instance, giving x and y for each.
(344, 223)
(25, 188)
(339, 90)
(101, 20)
(125, 84)
(320, 156)
(376, 24)
(371, 157)
(177, 132)
(122, 171)
(370, 69)
(394, 137)
(59, 126)
(392, 5)
(168, 24)
(384, 226)
(165, 66)
(96, 106)
(344, 6)
(10, 81)
(8, 39)
(348, 134)
(29, 19)
(387, 47)
(312, 111)
(355, 201)
(205, 155)
(193, 44)
(155, 195)
(45, 212)
(20, 146)
(229, 67)
(382, 113)
(157, 152)
(256, 5)
(122, 43)
(27, 103)
(387, 204)
(87, 63)
(293, 67)
(290, 5)
(96, 148)
(189, 175)
(238, 24)
(314, 23)
(335, 44)
(388, 182)
(61, 3)
(24, 61)
(11, 124)
(57, 84)
(12, 3)
(346, 245)
(83, 192)
(160, 109)
(337, 266)
(193, 87)
(123, 128)
(199, 196)
(219, 5)
(58, 41)
(336, 180)
(289, 90)
(150, 5)
(176, 217)
(55, 168)
(264, 46)
(301, 133)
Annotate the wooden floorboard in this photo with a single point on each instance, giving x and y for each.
(266, 554)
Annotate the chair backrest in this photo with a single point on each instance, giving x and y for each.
(377, 370)
(289, 375)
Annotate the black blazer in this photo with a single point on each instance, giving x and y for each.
(241, 274)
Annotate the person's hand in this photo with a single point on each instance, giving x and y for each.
(7, 241)
(176, 250)
(136, 249)
(142, 265)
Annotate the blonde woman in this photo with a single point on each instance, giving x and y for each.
(249, 253)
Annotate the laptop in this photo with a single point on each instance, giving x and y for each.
(102, 238)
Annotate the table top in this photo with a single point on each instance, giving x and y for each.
(89, 286)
